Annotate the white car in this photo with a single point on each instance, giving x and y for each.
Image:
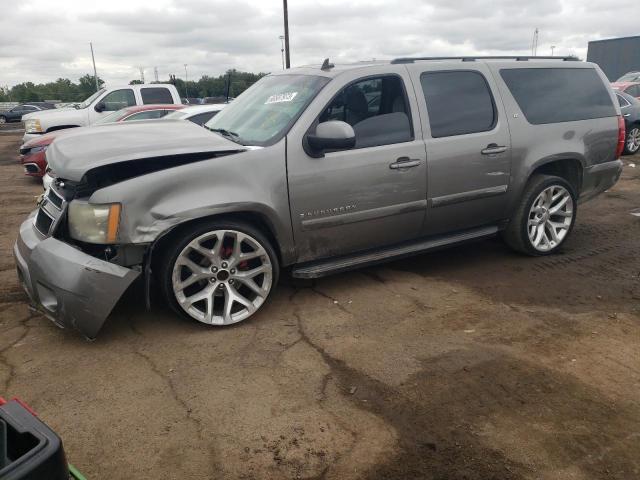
(95, 107)
(198, 114)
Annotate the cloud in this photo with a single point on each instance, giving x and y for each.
(211, 36)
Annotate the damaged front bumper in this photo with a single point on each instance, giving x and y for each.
(70, 287)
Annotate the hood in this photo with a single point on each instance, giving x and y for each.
(84, 149)
(45, 139)
(50, 112)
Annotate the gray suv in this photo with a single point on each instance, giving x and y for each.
(320, 169)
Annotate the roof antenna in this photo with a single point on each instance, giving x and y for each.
(326, 65)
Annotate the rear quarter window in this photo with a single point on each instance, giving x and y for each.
(156, 95)
(553, 95)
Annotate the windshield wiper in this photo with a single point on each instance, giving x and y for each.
(233, 136)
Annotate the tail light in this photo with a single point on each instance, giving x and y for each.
(621, 135)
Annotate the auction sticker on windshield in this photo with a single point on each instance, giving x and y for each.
(281, 97)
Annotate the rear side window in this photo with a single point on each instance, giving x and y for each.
(458, 103)
(552, 95)
(156, 95)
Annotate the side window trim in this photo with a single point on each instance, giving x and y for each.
(489, 89)
(405, 93)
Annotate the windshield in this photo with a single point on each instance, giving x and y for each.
(264, 113)
(176, 115)
(112, 117)
(629, 77)
(89, 100)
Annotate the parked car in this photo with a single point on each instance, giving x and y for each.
(15, 114)
(630, 107)
(301, 172)
(630, 88)
(33, 152)
(97, 106)
(198, 114)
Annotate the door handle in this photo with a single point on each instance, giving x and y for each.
(627, 115)
(492, 149)
(404, 162)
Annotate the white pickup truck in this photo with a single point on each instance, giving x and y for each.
(99, 104)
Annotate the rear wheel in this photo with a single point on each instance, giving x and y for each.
(545, 217)
(3, 119)
(219, 273)
(632, 140)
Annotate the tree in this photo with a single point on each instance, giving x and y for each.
(135, 82)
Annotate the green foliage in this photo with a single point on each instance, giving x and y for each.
(62, 89)
(65, 90)
(217, 86)
(135, 82)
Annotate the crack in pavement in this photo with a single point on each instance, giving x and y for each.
(188, 413)
(4, 360)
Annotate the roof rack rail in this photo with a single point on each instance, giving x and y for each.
(520, 58)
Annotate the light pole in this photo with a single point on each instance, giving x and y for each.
(281, 37)
(95, 72)
(553, 47)
(186, 82)
(286, 34)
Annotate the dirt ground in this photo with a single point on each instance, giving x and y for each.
(470, 363)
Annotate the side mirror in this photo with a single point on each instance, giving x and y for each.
(100, 107)
(332, 135)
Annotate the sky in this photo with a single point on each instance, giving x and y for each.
(42, 40)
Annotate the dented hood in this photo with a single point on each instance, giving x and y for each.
(84, 149)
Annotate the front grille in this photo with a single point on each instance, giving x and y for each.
(52, 207)
(43, 222)
(56, 199)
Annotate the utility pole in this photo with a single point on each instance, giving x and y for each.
(553, 47)
(534, 43)
(186, 82)
(286, 34)
(281, 37)
(142, 74)
(95, 72)
(155, 72)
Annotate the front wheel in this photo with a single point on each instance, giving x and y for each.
(632, 140)
(545, 217)
(219, 273)
(3, 119)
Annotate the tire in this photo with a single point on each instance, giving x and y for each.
(202, 278)
(533, 221)
(3, 120)
(632, 140)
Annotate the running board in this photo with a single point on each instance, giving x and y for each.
(330, 266)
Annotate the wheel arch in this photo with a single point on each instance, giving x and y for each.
(569, 168)
(60, 127)
(255, 219)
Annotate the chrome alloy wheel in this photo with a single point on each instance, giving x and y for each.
(222, 277)
(550, 218)
(633, 140)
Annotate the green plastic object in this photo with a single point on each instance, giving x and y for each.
(75, 474)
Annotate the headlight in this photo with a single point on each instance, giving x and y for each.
(94, 223)
(32, 125)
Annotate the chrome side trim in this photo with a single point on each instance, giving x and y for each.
(370, 214)
(467, 196)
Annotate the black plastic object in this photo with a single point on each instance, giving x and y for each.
(29, 450)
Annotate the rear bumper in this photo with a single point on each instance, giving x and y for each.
(70, 287)
(598, 178)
